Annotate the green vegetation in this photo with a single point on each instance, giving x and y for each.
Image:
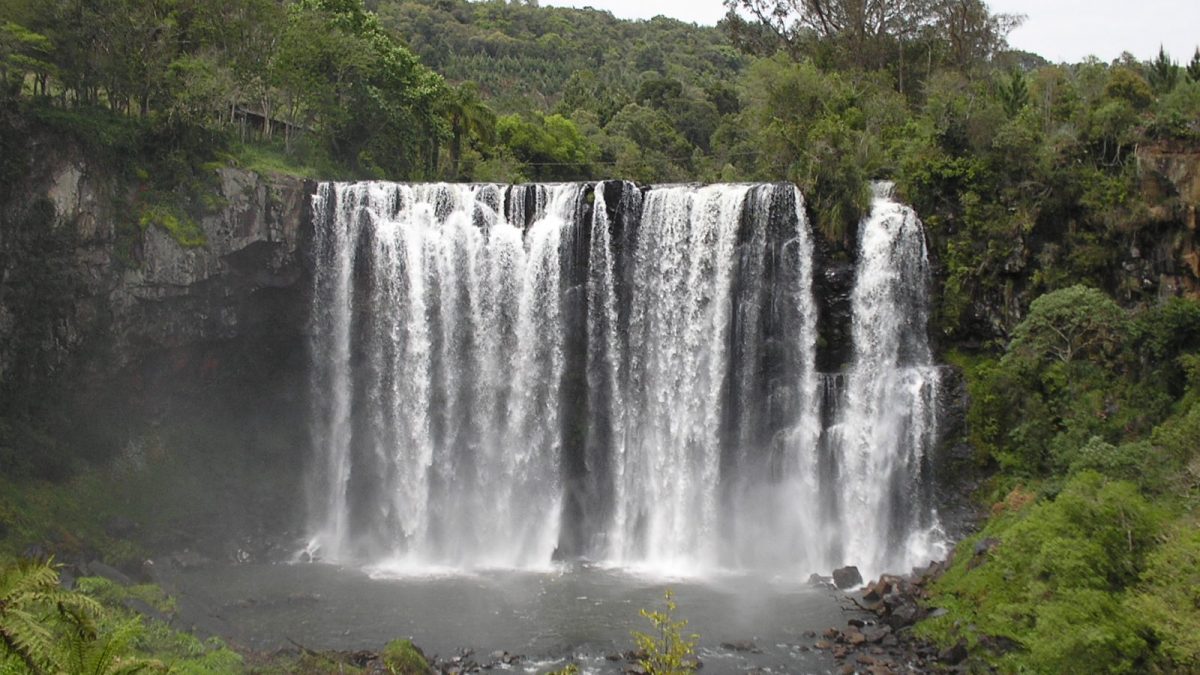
(47, 629)
(666, 651)
(1090, 559)
(180, 226)
(403, 658)
(69, 515)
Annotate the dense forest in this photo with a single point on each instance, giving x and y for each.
(1084, 380)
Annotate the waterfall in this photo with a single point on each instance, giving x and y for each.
(503, 375)
(438, 352)
(667, 494)
(888, 416)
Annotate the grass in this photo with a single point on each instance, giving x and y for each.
(270, 158)
(70, 516)
(174, 221)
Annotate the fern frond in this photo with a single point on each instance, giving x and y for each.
(24, 634)
(107, 653)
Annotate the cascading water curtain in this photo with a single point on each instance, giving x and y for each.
(888, 413)
(501, 374)
(437, 358)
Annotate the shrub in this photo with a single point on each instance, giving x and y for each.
(1169, 598)
(1052, 580)
(667, 651)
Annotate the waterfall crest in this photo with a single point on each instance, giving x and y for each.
(506, 374)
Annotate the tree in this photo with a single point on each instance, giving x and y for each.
(659, 92)
(1127, 85)
(370, 99)
(552, 146)
(873, 35)
(860, 28)
(1014, 94)
(23, 52)
(1193, 67)
(468, 116)
(1068, 324)
(972, 33)
(1164, 72)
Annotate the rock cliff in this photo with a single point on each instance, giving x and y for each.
(88, 291)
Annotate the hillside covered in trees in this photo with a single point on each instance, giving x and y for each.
(1049, 225)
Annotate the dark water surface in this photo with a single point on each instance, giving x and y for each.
(576, 612)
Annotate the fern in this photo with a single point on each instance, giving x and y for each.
(47, 629)
(30, 602)
(86, 653)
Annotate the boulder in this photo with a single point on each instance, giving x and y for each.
(983, 548)
(145, 609)
(847, 577)
(954, 655)
(906, 613)
(877, 633)
(99, 569)
(741, 646)
(819, 581)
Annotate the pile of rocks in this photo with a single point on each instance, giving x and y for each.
(633, 661)
(465, 662)
(881, 643)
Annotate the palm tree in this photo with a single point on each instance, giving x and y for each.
(468, 116)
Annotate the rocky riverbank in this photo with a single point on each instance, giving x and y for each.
(883, 642)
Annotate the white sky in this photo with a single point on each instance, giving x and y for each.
(1060, 30)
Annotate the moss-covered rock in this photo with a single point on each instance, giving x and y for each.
(402, 657)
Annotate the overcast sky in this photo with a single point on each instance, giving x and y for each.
(1060, 30)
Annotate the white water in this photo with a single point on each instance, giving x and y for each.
(888, 419)
(457, 427)
(456, 370)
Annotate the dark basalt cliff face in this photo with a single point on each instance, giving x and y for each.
(87, 292)
(117, 342)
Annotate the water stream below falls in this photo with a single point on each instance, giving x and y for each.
(575, 613)
(506, 376)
